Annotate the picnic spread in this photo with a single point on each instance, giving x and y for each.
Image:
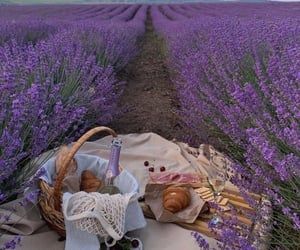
(163, 192)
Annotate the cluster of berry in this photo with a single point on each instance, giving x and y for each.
(127, 243)
(151, 167)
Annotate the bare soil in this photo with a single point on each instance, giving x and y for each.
(149, 94)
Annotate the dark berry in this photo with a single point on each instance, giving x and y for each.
(110, 240)
(162, 169)
(151, 169)
(119, 247)
(116, 247)
(146, 163)
(135, 243)
(141, 199)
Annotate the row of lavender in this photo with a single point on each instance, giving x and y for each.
(237, 71)
(57, 78)
(34, 23)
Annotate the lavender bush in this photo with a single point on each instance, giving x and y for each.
(238, 78)
(57, 85)
(25, 32)
(47, 92)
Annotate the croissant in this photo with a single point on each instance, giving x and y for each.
(89, 182)
(176, 199)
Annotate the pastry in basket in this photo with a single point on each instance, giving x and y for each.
(175, 199)
(89, 182)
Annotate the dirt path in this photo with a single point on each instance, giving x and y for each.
(149, 93)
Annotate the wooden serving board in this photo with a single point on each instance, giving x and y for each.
(201, 223)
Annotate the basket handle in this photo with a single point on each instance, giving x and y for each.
(64, 169)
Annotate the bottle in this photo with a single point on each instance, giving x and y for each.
(113, 163)
(112, 168)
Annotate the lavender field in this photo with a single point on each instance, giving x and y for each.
(230, 73)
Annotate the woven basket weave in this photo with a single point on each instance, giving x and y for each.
(50, 198)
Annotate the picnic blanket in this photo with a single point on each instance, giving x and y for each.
(136, 149)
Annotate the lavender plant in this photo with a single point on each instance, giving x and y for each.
(48, 92)
(238, 81)
(55, 87)
(25, 32)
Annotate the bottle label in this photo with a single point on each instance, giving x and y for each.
(113, 165)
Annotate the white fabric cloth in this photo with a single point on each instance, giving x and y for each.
(93, 163)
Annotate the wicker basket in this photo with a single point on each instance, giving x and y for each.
(51, 197)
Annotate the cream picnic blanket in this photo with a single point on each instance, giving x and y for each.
(136, 149)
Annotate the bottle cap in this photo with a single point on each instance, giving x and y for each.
(116, 142)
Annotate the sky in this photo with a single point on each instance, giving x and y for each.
(285, 0)
(99, 1)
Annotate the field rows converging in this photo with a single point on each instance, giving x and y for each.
(223, 74)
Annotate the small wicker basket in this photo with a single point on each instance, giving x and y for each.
(50, 198)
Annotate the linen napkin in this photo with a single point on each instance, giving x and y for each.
(154, 199)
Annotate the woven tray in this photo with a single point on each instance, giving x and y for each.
(201, 223)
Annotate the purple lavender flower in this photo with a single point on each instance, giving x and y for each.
(12, 244)
(201, 242)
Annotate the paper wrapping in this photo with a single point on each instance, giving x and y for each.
(154, 199)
